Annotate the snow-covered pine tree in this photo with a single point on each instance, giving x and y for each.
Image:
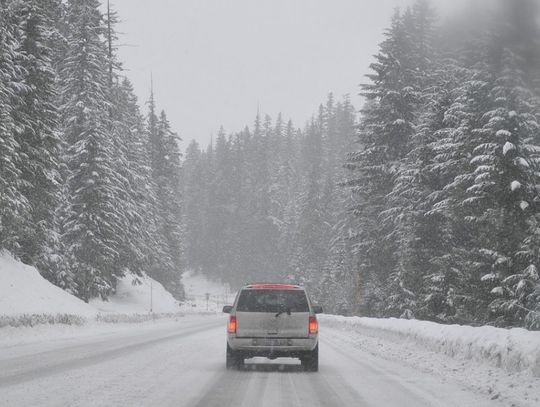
(14, 207)
(194, 189)
(241, 208)
(13, 204)
(161, 263)
(289, 182)
(462, 266)
(278, 174)
(452, 290)
(133, 163)
(336, 283)
(506, 160)
(55, 11)
(220, 199)
(37, 135)
(472, 169)
(384, 132)
(128, 127)
(339, 272)
(438, 151)
(261, 232)
(416, 235)
(165, 163)
(208, 173)
(94, 228)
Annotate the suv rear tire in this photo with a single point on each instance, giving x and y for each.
(310, 361)
(234, 359)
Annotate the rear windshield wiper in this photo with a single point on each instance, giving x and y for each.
(287, 310)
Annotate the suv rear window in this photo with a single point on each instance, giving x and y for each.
(272, 301)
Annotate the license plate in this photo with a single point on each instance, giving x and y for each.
(277, 342)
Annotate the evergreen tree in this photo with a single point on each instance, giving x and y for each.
(194, 209)
(505, 161)
(416, 235)
(165, 171)
(95, 225)
(14, 207)
(385, 129)
(37, 134)
(139, 194)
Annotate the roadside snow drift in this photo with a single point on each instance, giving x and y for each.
(24, 291)
(137, 295)
(514, 350)
(25, 294)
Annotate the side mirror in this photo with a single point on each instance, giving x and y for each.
(227, 309)
(317, 309)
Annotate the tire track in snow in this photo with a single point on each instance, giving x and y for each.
(227, 389)
(102, 356)
(333, 390)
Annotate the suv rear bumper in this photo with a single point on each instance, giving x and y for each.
(272, 346)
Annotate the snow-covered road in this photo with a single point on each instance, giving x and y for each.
(181, 363)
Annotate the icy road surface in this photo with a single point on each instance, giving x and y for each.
(182, 364)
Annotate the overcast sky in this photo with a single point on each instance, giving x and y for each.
(214, 61)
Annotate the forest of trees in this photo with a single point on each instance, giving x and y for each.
(446, 176)
(424, 204)
(436, 215)
(266, 204)
(89, 187)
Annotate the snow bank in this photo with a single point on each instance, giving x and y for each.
(136, 295)
(23, 291)
(514, 350)
(27, 299)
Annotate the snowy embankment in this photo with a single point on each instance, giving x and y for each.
(514, 350)
(27, 299)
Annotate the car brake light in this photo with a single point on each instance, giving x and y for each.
(231, 326)
(313, 325)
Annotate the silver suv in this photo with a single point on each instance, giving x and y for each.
(273, 320)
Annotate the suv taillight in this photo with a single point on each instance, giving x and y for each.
(313, 325)
(231, 326)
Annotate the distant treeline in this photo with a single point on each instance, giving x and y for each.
(265, 204)
(89, 188)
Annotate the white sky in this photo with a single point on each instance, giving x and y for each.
(214, 61)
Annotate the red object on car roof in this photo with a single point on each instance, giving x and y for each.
(272, 286)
